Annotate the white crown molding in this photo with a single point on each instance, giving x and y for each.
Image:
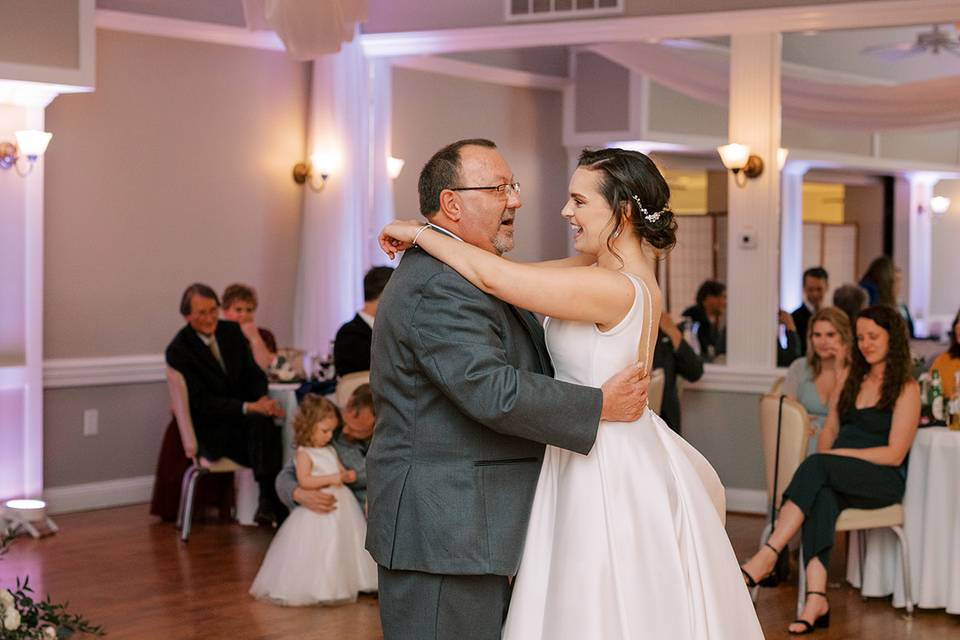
(854, 15)
(482, 72)
(98, 495)
(100, 372)
(187, 30)
(730, 379)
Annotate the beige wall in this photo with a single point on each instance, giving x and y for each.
(602, 97)
(863, 206)
(176, 169)
(725, 428)
(40, 32)
(945, 259)
(430, 111)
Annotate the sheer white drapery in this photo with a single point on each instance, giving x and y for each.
(308, 28)
(704, 75)
(350, 119)
(330, 267)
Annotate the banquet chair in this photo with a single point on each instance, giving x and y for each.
(860, 520)
(347, 384)
(777, 386)
(180, 401)
(784, 436)
(655, 390)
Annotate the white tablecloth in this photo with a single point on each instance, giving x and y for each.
(285, 394)
(932, 525)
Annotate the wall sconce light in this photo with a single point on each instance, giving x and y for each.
(321, 165)
(782, 157)
(939, 205)
(394, 167)
(738, 159)
(31, 144)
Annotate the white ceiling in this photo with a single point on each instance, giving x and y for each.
(841, 51)
(833, 50)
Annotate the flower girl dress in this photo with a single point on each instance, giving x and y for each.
(319, 558)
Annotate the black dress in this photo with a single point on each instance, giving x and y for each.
(825, 484)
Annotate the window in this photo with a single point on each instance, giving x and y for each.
(559, 9)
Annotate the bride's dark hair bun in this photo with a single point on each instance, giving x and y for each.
(630, 180)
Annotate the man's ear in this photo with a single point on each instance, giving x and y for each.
(450, 205)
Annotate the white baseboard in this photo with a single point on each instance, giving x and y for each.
(98, 495)
(747, 500)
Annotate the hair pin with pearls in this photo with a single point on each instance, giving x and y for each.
(649, 217)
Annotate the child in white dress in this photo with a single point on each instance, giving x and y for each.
(318, 558)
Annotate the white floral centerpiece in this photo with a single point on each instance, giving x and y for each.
(23, 618)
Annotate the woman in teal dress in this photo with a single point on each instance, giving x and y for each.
(811, 380)
(860, 459)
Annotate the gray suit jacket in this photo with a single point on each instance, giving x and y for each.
(465, 400)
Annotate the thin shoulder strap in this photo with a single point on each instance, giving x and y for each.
(644, 352)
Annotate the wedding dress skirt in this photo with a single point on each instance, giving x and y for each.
(627, 542)
(318, 558)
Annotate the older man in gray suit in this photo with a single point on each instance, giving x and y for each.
(465, 401)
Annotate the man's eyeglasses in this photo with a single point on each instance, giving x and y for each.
(507, 188)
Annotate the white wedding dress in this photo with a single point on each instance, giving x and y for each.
(627, 542)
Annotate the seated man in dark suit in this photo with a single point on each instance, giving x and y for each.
(351, 348)
(815, 285)
(232, 414)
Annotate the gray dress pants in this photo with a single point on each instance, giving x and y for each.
(428, 606)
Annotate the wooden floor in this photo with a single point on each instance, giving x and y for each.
(129, 572)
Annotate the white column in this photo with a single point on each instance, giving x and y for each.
(381, 186)
(754, 210)
(791, 236)
(21, 433)
(919, 259)
(333, 239)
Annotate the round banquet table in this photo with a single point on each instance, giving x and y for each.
(932, 525)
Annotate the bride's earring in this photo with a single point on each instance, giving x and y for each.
(616, 234)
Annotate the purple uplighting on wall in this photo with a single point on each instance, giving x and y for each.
(12, 444)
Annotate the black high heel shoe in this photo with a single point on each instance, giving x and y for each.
(771, 579)
(821, 622)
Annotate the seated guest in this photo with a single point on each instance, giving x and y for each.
(674, 356)
(351, 348)
(879, 282)
(859, 462)
(232, 414)
(850, 299)
(901, 307)
(948, 362)
(240, 306)
(707, 316)
(811, 380)
(815, 284)
(351, 441)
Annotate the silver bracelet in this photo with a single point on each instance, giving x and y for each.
(419, 231)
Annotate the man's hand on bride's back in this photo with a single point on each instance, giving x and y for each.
(625, 394)
(398, 236)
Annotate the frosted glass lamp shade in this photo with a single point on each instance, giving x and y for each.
(33, 143)
(939, 204)
(734, 156)
(394, 167)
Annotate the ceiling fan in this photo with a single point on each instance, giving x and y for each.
(933, 41)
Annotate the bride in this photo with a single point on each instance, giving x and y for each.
(628, 541)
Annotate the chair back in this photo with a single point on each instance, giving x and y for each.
(347, 384)
(180, 403)
(655, 390)
(777, 386)
(794, 438)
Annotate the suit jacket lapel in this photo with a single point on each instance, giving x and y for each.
(533, 330)
(206, 355)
